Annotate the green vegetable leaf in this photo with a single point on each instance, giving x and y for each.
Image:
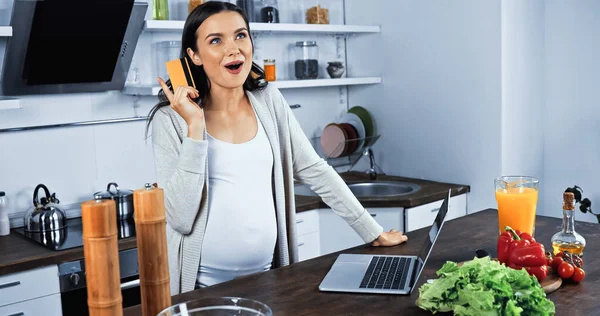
(484, 287)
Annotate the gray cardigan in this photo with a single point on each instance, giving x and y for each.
(182, 172)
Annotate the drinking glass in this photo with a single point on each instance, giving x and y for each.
(517, 198)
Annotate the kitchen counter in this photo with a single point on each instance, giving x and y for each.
(431, 191)
(19, 254)
(293, 290)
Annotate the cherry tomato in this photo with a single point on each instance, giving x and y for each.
(578, 275)
(549, 261)
(565, 270)
(556, 263)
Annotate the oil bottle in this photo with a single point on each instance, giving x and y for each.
(568, 239)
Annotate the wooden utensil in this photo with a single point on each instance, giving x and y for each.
(551, 283)
(150, 225)
(101, 257)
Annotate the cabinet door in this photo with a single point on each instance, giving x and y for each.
(47, 305)
(336, 234)
(308, 246)
(26, 285)
(423, 216)
(307, 222)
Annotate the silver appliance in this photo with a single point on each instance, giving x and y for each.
(69, 46)
(383, 274)
(73, 290)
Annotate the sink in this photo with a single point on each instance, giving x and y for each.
(369, 189)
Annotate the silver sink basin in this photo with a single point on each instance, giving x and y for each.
(369, 189)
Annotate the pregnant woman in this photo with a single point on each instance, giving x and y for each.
(227, 152)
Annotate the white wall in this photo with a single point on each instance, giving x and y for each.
(523, 89)
(439, 107)
(571, 144)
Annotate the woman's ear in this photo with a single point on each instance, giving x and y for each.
(194, 57)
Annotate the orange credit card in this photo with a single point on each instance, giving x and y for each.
(180, 73)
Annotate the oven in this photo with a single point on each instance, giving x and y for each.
(73, 290)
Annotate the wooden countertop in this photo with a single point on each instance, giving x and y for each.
(430, 191)
(293, 290)
(19, 254)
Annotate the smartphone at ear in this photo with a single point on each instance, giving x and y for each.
(179, 73)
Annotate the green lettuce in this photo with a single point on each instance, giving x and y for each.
(484, 287)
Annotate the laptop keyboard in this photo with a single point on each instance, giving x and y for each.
(386, 273)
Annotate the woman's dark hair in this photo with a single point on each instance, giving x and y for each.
(256, 77)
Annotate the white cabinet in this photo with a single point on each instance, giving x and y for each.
(32, 292)
(337, 235)
(47, 305)
(307, 227)
(27, 285)
(423, 216)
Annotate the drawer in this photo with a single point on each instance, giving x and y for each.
(308, 246)
(23, 286)
(423, 216)
(388, 217)
(48, 306)
(307, 222)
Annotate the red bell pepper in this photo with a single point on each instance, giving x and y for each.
(522, 251)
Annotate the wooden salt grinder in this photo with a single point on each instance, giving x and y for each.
(150, 226)
(101, 257)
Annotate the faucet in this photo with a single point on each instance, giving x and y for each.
(372, 172)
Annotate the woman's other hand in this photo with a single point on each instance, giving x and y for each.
(181, 102)
(391, 238)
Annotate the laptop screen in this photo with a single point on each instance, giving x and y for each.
(430, 240)
(433, 232)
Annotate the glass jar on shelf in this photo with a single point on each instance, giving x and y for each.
(193, 4)
(316, 12)
(270, 70)
(160, 9)
(163, 52)
(269, 13)
(306, 63)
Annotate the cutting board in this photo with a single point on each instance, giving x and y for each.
(551, 283)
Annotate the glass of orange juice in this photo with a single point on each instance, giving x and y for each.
(517, 198)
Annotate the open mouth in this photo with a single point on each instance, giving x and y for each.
(234, 65)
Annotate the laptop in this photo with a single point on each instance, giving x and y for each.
(382, 274)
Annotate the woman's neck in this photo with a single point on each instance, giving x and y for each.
(225, 100)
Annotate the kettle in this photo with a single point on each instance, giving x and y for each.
(46, 215)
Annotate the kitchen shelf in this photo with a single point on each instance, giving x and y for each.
(9, 103)
(5, 31)
(171, 26)
(280, 84)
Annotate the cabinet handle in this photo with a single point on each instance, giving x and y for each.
(18, 314)
(435, 210)
(11, 284)
(373, 215)
(298, 221)
(300, 244)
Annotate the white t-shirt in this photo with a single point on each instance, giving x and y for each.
(241, 231)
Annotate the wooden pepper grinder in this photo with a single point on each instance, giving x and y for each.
(101, 255)
(150, 226)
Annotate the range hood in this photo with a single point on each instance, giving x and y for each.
(70, 46)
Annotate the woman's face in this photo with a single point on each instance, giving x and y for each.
(224, 49)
